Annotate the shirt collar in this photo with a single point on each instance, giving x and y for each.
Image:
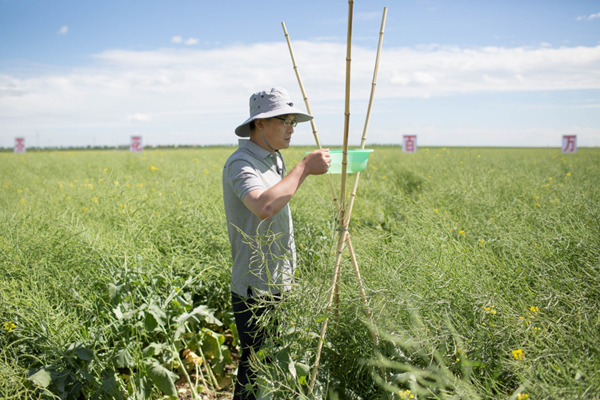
(255, 149)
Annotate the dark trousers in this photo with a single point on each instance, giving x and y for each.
(252, 337)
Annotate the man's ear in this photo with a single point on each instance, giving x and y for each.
(260, 123)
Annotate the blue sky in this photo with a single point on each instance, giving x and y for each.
(455, 73)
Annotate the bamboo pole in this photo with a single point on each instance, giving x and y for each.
(315, 371)
(312, 121)
(343, 229)
(367, 120)
(346, 116)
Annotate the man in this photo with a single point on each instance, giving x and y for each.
(256, 193)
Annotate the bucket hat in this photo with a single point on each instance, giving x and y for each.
(270, 103)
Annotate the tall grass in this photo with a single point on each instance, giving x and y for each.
(481, 268)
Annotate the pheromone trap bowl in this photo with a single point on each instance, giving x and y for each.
(357, 160)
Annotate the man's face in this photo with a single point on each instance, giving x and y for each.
(278, 131)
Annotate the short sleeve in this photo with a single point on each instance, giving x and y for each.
(243, 178)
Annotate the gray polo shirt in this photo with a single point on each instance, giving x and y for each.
(263, 252)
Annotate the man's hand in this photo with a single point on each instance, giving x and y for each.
(317, 162)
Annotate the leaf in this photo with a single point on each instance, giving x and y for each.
(152, 349)
(302, 369)
(117, 312)
(211, 344)
(142, 387)
(158, 314)
(201, 313)
(41, 378)
(150, 321)
(123, 358)
(114, 291)
(163, 379)
(111, 387)
(82, 352)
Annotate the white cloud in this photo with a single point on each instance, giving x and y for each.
(588, 17)
(63, 30)
(191, 41)
(138, 117)
(196, 92)
(176, 39)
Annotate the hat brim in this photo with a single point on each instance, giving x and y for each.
(244, 129)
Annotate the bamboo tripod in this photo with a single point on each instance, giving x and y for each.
(343, 214)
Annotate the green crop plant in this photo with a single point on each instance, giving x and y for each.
(481, 268)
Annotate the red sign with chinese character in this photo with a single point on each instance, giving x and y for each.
(409, 144)
(569, 143)
(19, 145)
(136, 144)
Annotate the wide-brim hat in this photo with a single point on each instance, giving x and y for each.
(270, 103)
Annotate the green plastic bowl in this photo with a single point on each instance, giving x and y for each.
(357, 160)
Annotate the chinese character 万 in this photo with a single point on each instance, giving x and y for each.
(569, 144)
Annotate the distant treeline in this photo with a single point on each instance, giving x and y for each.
(121, 147)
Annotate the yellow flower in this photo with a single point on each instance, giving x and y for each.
(534, 309)
(116, 183)
(436, 210)
(19, 191)
(536, 197)
(405, 394)
(153, 168)
(481, 241)
(517, 354)
(537, 205)
(140, 185)
(550, 178)
(462, 232)
(9, 326)
(568, 174)
(95, 199)
(22, 201)
(522, 396)
(105, 169)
